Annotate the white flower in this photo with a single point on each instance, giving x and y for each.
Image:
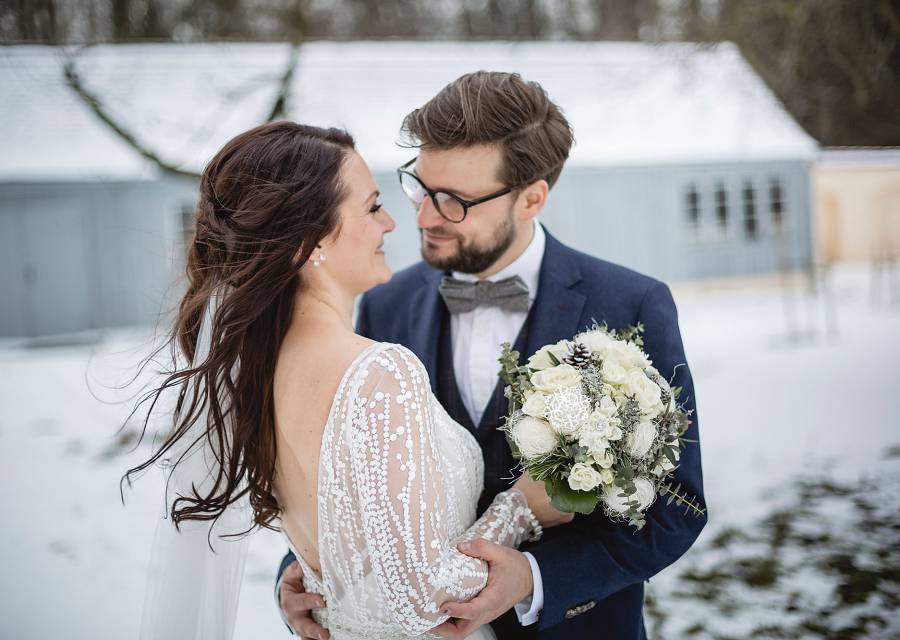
(568, 410)
(535, 403)
(593, 441)
(611, 430)
(646, 493)
(613, 371)
(596, 340)
(645, 391)
(541, 360)
(639, 442)
(607, 477)
(607, 407)
(663, 465)
(627, 354)
(583, 477)
(533, 437)
(549, 380)
(604, 459)
(605, 425)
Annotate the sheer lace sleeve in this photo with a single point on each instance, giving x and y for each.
(397, 477)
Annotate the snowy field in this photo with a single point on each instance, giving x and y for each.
(801, 451)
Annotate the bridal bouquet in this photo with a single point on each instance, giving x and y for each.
(593, 420)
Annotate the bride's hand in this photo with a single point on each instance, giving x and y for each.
(539, 502)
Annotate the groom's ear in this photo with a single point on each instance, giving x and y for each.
(532, 199)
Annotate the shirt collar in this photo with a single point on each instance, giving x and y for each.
(527, 266)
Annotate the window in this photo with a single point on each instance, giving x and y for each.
(692, 206)
(721, 206)
(776, 203)
(750, 222)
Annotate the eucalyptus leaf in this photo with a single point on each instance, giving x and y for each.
(670, 454)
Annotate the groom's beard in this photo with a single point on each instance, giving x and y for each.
(470, 258)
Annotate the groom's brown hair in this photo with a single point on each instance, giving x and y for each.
(495, 108)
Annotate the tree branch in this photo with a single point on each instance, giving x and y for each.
(284, 87)
(94, 104)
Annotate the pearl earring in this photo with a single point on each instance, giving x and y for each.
(319, 260)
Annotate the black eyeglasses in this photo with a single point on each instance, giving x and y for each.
(451, 207)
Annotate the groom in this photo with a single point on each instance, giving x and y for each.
(491, 146)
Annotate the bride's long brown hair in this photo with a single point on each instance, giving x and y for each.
(270, 193)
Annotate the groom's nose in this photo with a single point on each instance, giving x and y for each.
(427, 215)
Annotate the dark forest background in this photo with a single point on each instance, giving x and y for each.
(835, 64)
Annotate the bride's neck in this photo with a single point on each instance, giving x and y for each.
(323, 309)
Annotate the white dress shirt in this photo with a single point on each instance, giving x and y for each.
(476, 337)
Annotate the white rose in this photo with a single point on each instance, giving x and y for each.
(549, 380)
(640, 441)
(604, 459)
(613, 371)
(646, 493)
(533, 437)
(607, 477)
(595, 340)
(583, 477)
(627, 354)
(593, 441)
(535, 403)
(541, 360)
(645, 391)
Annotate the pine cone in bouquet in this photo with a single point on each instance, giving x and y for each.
(579, 356)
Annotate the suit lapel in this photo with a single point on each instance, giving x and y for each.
(557, 309)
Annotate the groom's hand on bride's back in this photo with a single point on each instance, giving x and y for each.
(297, 604)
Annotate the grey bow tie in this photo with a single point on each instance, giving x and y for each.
(460, 296)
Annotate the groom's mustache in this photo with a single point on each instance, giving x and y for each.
(438, 231)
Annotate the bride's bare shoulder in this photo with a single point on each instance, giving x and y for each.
(308, 370)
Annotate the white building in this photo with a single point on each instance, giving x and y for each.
(685, 164)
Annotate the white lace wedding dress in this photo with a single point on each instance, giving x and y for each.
(398, 485)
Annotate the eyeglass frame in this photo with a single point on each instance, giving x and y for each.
(401, 170)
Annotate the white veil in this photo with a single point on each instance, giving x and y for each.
(193, 592)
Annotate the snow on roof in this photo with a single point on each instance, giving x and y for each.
(47, 132)
(629, 103)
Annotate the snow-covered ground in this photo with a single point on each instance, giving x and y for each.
(800, 433)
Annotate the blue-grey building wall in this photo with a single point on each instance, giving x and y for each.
(93, 254)
(637, 216)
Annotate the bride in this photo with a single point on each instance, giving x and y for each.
(287, 419)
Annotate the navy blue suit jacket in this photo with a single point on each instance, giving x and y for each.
(592, 570)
